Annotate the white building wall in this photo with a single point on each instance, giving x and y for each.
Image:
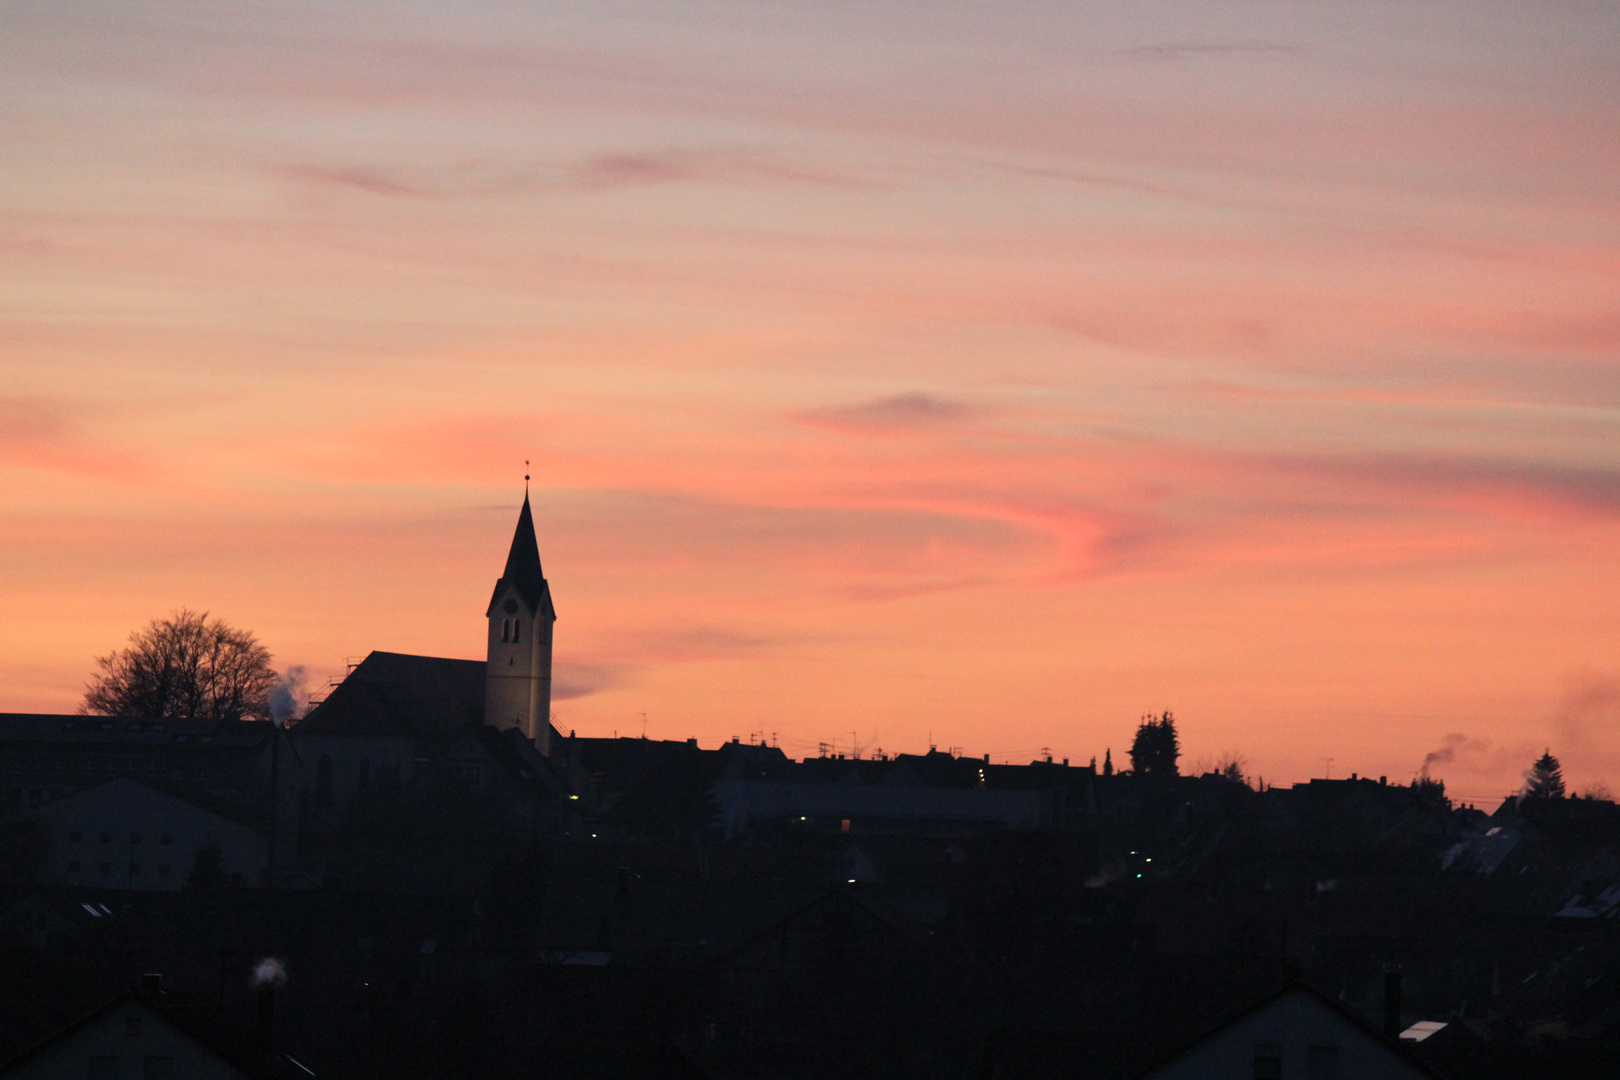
(126, 835)
(517, 685)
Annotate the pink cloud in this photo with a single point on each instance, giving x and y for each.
(899, 413)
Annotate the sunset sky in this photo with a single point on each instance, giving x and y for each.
(981, 373)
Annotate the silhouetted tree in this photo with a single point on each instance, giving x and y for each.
(1545, 779)
(1231, 766)
(1155, 748)
(185, 665)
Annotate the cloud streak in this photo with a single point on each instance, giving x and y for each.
(889, 415)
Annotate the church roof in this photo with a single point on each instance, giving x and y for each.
(523, 573)
(401, 695)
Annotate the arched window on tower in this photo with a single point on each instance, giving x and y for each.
(517, 628)
(506, 629)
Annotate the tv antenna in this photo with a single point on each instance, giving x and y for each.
(1327, 767)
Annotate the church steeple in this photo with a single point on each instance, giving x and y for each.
(523, 574)
(517, 681)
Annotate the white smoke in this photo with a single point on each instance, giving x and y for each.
(269, 972)
(289, 697)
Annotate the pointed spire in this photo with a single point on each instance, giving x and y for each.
(523, 571)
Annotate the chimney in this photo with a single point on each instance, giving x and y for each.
(1392, 1004)
(266, 1035)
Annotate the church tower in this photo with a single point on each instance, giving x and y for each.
(517, 681)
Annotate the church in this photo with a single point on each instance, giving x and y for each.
(398, 721)
(415, 774)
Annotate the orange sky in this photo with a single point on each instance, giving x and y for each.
(988, 374)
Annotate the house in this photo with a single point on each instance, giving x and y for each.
(845, 941)
(1295, 1032)
(132, 1036)
(46, 756)
(133, 834)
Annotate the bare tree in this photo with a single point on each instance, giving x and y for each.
(185, 665)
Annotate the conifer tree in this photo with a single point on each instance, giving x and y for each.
(1545, 780)
(1155, 748)
(207, 868)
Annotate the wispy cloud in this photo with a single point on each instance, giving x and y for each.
(727, 167)
(50, 434)
(730, 167)
(1177, 50)
(900, 413)
(1502, 485)
(369, 180)
(683, 644)
(574, 678)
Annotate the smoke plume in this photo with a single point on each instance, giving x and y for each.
(269, 972)
(1447, 752)
(290, 695)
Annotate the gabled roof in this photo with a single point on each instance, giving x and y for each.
(811, 915)
(403, 696)
(523, 574)
(510, 751)
(208, 803)
(265, 1066)
(1299, 986)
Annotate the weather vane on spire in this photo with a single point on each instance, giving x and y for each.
(525, 476)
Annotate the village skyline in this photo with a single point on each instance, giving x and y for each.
(941, 375)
